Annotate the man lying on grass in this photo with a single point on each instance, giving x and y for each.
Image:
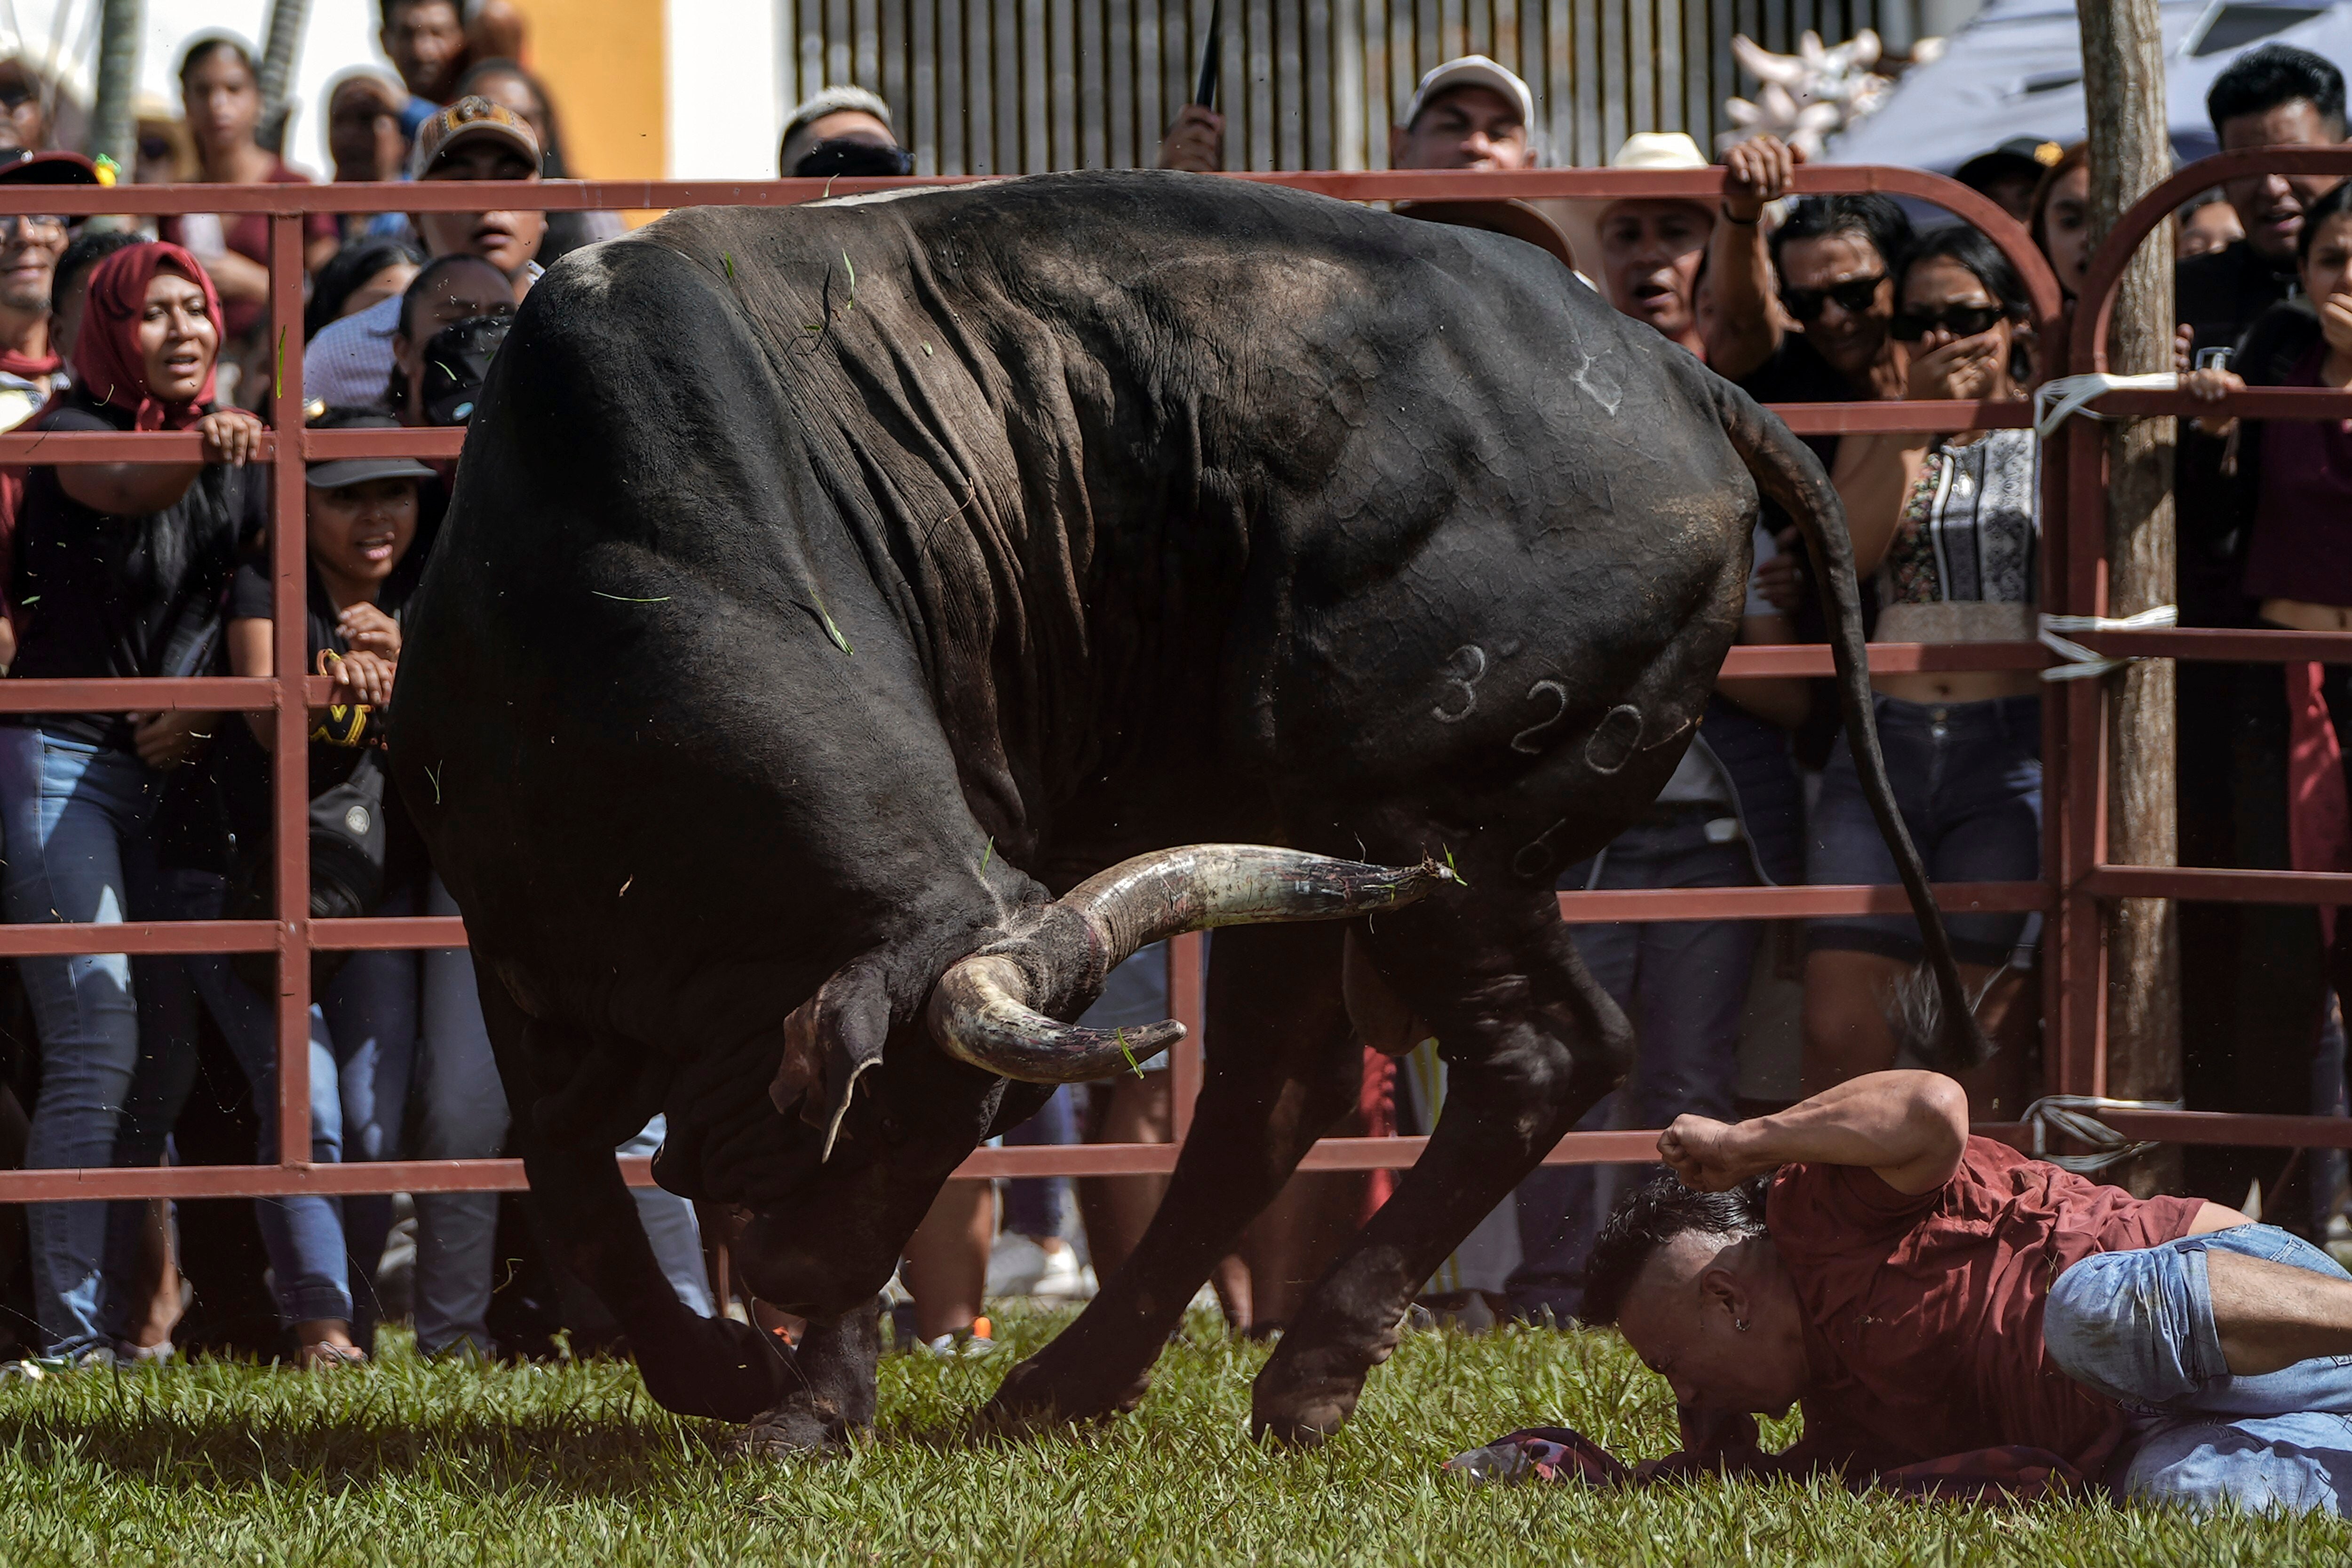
(1929, 1296)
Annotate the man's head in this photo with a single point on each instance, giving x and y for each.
(1645, 252)
(426, 42)
(1469, 113)
(363, 133)
(220, 93)
(24, 98)
(505, 83)
(846, 130)
(30, 247)
(2277, 96)
(1835, 257)
(474, 139)
(1691, 1281)
(2010, 173)
(69, 289)
(452, 289)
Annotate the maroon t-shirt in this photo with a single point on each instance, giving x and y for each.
(1924, 1313)
(2299, 547)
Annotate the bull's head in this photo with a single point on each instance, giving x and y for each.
(998, 1009)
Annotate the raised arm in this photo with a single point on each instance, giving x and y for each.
(1908, 1127)
(1745, 329)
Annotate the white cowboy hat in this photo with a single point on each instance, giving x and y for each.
(1643, 150)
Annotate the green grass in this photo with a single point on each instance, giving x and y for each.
(407, 1462)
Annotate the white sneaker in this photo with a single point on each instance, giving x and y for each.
(1065, 1278)
(1016, 1264)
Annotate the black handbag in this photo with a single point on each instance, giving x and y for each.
(350, 838)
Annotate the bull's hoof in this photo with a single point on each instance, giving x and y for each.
(1300, 1421)
(1038, 1397)
(802, 1429)
(1304, 1394)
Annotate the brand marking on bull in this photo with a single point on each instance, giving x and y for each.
(1605, 389)
(1524, 740)
(1471, 661)
(1613, 739)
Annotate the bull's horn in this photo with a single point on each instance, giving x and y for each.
(980, 1012)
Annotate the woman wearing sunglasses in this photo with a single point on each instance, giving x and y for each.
(1948, 523)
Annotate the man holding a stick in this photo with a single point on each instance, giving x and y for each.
(1468, 113)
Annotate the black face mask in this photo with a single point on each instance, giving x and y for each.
(456, 359)
(855, 158)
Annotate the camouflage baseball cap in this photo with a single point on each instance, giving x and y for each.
(471, 119)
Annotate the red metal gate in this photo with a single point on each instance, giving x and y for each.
(2076, 877)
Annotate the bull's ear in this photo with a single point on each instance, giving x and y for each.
(831, 1041)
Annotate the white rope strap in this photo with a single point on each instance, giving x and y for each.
(2055, 402)
(2069, 1115)
(2081, 664)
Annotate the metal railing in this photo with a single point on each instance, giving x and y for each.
(2076, 877)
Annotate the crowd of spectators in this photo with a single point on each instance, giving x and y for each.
(109, 325)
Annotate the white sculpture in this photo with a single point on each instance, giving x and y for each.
(1816, 92)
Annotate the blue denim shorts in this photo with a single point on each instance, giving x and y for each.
(2139, 1327)
(1968, 779)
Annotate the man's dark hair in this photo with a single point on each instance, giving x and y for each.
(349, 268)
(2262, 79)
(208, 46)
(550, 153)
(388, 9)
(86, 251)
(1967, 245)
(1875, 219)
(1648, 1220)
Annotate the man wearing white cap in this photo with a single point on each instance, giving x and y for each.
(841, 130)
(1468, 113)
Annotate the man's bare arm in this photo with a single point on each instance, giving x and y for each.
(1910, 1127)
(1745, 330)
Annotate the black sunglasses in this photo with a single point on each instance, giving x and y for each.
(1961, 320)
(1853, 297)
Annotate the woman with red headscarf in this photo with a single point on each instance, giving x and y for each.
(120, 571)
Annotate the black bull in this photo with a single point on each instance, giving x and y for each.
(828, 590)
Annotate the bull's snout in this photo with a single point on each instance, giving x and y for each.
(789, 1266)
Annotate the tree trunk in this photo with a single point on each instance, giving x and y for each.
(113, 128)
(278, 53)
(2123, 82)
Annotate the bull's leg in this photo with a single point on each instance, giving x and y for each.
(691, 1365)
(1530, 1042)
(832, 1378)
(1282, 1067)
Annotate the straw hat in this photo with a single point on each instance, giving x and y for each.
(1653, 150)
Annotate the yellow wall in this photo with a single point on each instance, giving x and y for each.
(602, 61)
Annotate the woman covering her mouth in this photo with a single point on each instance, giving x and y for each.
(120, 571)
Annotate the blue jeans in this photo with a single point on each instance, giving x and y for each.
(462, 1115)
(1684, 983)
(2138, 1326)
(363, 1045)
(1039, 1206)
(1968, 778)
(77, 820)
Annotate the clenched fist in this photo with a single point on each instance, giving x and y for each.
(1706, 1155)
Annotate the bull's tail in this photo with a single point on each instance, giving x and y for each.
(1785, 469)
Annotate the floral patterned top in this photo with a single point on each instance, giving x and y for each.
(1968, 529)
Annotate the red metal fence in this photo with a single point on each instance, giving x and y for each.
(2075, 879)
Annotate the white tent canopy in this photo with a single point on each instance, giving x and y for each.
(2017, 71)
